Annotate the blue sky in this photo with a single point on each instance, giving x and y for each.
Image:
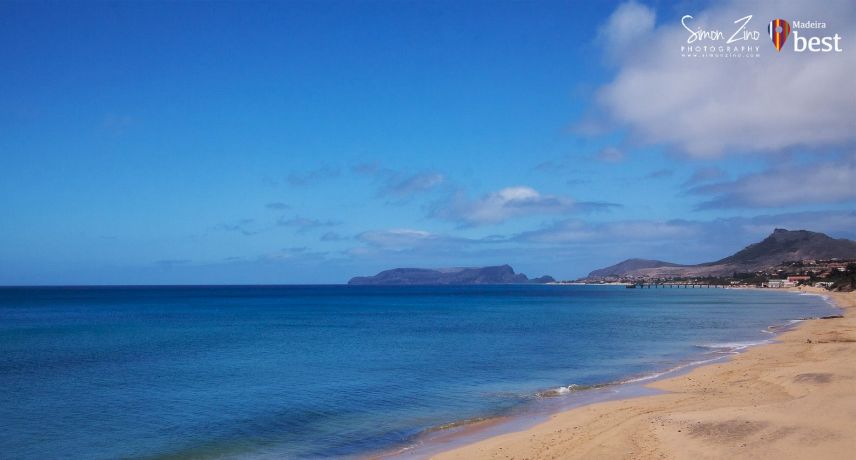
(147, 143)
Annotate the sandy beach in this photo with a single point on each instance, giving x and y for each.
(795, 398)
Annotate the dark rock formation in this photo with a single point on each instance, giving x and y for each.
(502, 274)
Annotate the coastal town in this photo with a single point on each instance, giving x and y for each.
(832, 274)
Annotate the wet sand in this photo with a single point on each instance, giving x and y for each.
(795, 398)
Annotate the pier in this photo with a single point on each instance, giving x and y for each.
(667, 284)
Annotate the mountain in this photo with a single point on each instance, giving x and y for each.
(630, 265)
(502, 274)
(785, 245)
(781, 246)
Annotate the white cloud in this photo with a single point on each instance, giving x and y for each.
(500, 206)
(709, 107)
(831, 182)
(628, 22)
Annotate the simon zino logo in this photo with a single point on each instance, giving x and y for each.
(740, 40)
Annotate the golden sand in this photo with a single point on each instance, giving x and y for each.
(793, 399)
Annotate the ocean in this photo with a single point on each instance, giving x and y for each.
(334, 371)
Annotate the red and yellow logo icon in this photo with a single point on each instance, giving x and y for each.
(779, 29)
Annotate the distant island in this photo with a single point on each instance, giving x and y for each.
(500, 274)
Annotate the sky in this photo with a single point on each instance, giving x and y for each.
(308, 142)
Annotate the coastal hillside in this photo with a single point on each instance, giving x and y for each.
(785, 245)
(501, 274)
(630, 265)
(781, 246)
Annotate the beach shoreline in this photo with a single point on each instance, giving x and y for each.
(443, 438)
(762, 403)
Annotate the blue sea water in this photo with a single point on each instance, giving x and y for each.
(330, 371)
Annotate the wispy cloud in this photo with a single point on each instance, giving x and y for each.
(573, 182)
(249, 227)
(277, 206)
(332, 236)
(169, 263)
(312, 176)
(707, 174)
(246, 227)
(293, 254)
(580, 231)
(508, 203)
(550, 166)
(408, 185)
(610, 155)
(659, 174)
(289, 255)
(304, 224)
(399, 185)
(421, 247)
(565, 165)
(368, 168)
(832, 182)
(404, 238)
(678, 231)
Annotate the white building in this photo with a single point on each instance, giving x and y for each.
(779, 283)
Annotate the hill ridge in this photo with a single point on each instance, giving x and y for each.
(780, 246)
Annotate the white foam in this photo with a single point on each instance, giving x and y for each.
(657, 375)
(559, 391)
(826, 298)
(564, 390)
(733, 347)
